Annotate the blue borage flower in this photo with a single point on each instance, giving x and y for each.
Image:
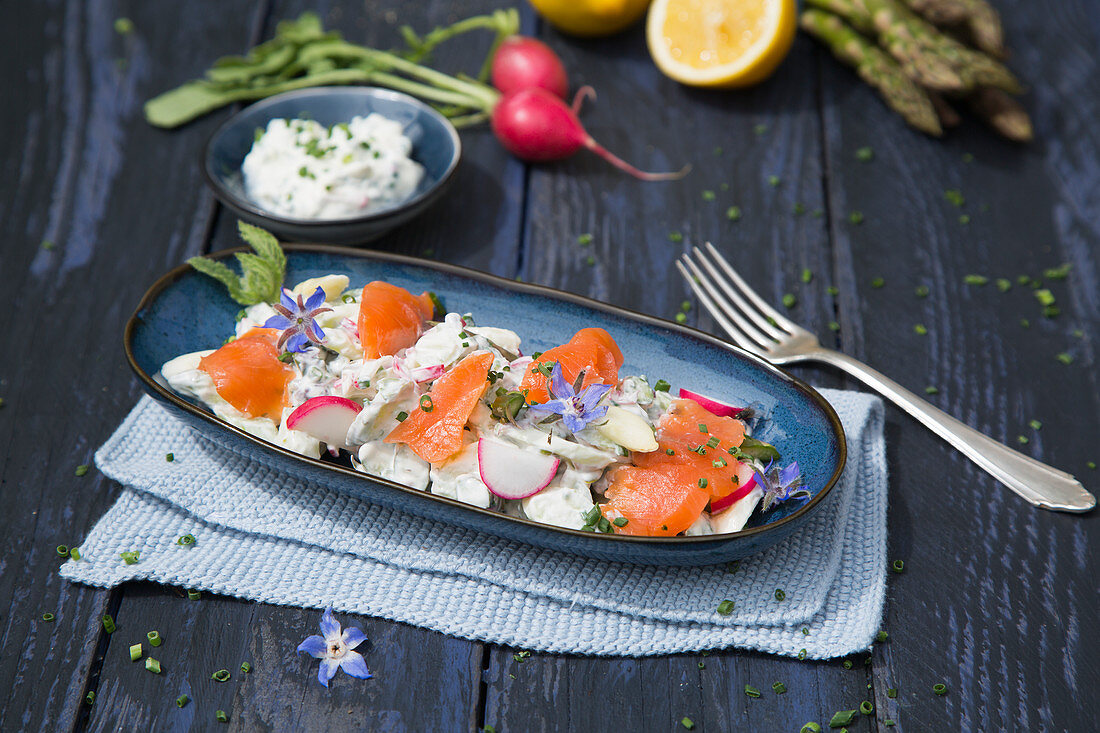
(334, 649)
(577, 410)
(295, 320)
(781, 484)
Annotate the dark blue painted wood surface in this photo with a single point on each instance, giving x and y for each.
(999, 601)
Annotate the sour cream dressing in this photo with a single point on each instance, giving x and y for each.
(302, 170)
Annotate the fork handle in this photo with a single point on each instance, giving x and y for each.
(1038, 483)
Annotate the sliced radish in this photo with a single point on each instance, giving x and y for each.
(325, 418)
(511, 472)
(721, 409)
(746, 483)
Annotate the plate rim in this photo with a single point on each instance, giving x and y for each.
(174, 274)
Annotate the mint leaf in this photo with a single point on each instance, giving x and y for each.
(759, 450)
(221, 273)
(261, 273)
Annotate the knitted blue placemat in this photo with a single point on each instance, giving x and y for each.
(263, 535)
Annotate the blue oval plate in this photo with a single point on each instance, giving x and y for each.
(185, 311)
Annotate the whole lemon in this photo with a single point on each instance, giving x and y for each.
(590, 17)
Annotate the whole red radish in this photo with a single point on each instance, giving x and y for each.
(536, 126)
(525, 63)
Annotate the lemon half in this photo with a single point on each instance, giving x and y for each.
(720, 43)
(590, 17)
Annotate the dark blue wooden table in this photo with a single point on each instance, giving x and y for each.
(999, 601)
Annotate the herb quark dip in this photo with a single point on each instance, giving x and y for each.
(302, 170)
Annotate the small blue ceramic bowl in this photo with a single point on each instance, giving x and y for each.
(435, 146)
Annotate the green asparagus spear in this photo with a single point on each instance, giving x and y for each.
(1003, 113)
(875, 67)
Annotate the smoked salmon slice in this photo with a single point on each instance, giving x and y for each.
(591, 350)
(390, 318)
(434, 430)
(655, 503)
(247, 374)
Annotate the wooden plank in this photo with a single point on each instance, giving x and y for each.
(771, 130)
(83, 159)
(474, 225)
(996, 596)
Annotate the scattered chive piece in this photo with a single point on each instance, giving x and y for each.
(46, 244)
(931, 390)
(426, 403)
(90, 697)
(939, 688)
(856, 217)
(805, 631)
(725, 608)
(892, 692)
(867, 662)
(789, 300)
(670, 452)
(865, 154)
(817, 213)
(590, 260)
(733, 213)
(964, 219)
(801, 654)
(807, 275)
(881, 636)
(81, 470)
(221, 675)
(186, 540)
(717, 150)
(702, 483)
(703, 427)
(131, 557)
(968, 157)
(108, 624)
(135, 652)
(687, 723)
(701, 664)
(124, 26)
(1003, 284)
(675, 237)
(154, 637)
(877, 282)
(866, 707)
(662, 386)
(619, 521)
(760, 128)
(898, 566)
(921, 291)
(1091, 464)
(152, 665)
(954, 196)
(169, 457)
(779, 688)
(810, 727)
(194, 595)
(182, 700)
(220, 716)
(48, 617)
(584, 239)
(74, 553)
(1078, 333)
(847, 664)
(976, 280)
(752, 691)
(62, 550)
(1051, 311)
(1064, 357)
(920, 329)
(708, 195)
(834, 326)
(1025, 323)
(780, 595)
(798, 208)
(1022, 439)
(832, 290)
(681, 317)
(713, 443)
(889, 722)
(1035, 424)
(1057, 273)
(402, 416)
(773, 181)
(733, 566)
(685, 306)
(842, 718)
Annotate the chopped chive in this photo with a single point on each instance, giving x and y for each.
(709, 195)
(810, 727)
(752, 691)
(856, 217)
(402, 416)
(48, 617)
(801, 654)
(847, 664)
(760, 128)
(702, 428)
(584, 239)
(194, 595)
(702, 483)
(62, 550)
(780, 595)
(954, 196)
(931, 390)
(978, 280)
(592, 515)
(892, 692)
(90, 697)
(733, 213)
(687, 723)
(939, 688)
(842, 718)
(881, 636)
(720, 463)
(789, 301)
(717, 150)
(222, 675)
(798, 208)
(713, 442)
(1064, 357)
(426, 403)
(662, 386)
(920, 329)
(877, 282)
(220, 716)
(964, 219)
(807, 274)
(675, 237)
(865, 154)
(833, 326)
(619, 521)
(246, 667)
(74, 553)
(152, 665)
(779, 688)
(186, 540)
(889, 722)
(921, 291)
(1035, 424)
(182, 700)
(685, 306)
(773, 181)
(154, 638)
(701, 664)
(1091, 465)
(81, 470)
(733, 566)
(590, 260)
(169, 457)
(108, 624)
(124, 26)
(670, 452)
(725, 608)
(1025, 323)
(1057, 273)
(832, 290)
(1003, 284)
(135, 652)
(805, 631)
(681, 317)
(131, 557)
(866, 707)
(898, 566)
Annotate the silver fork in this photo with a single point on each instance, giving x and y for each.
(755, 326)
